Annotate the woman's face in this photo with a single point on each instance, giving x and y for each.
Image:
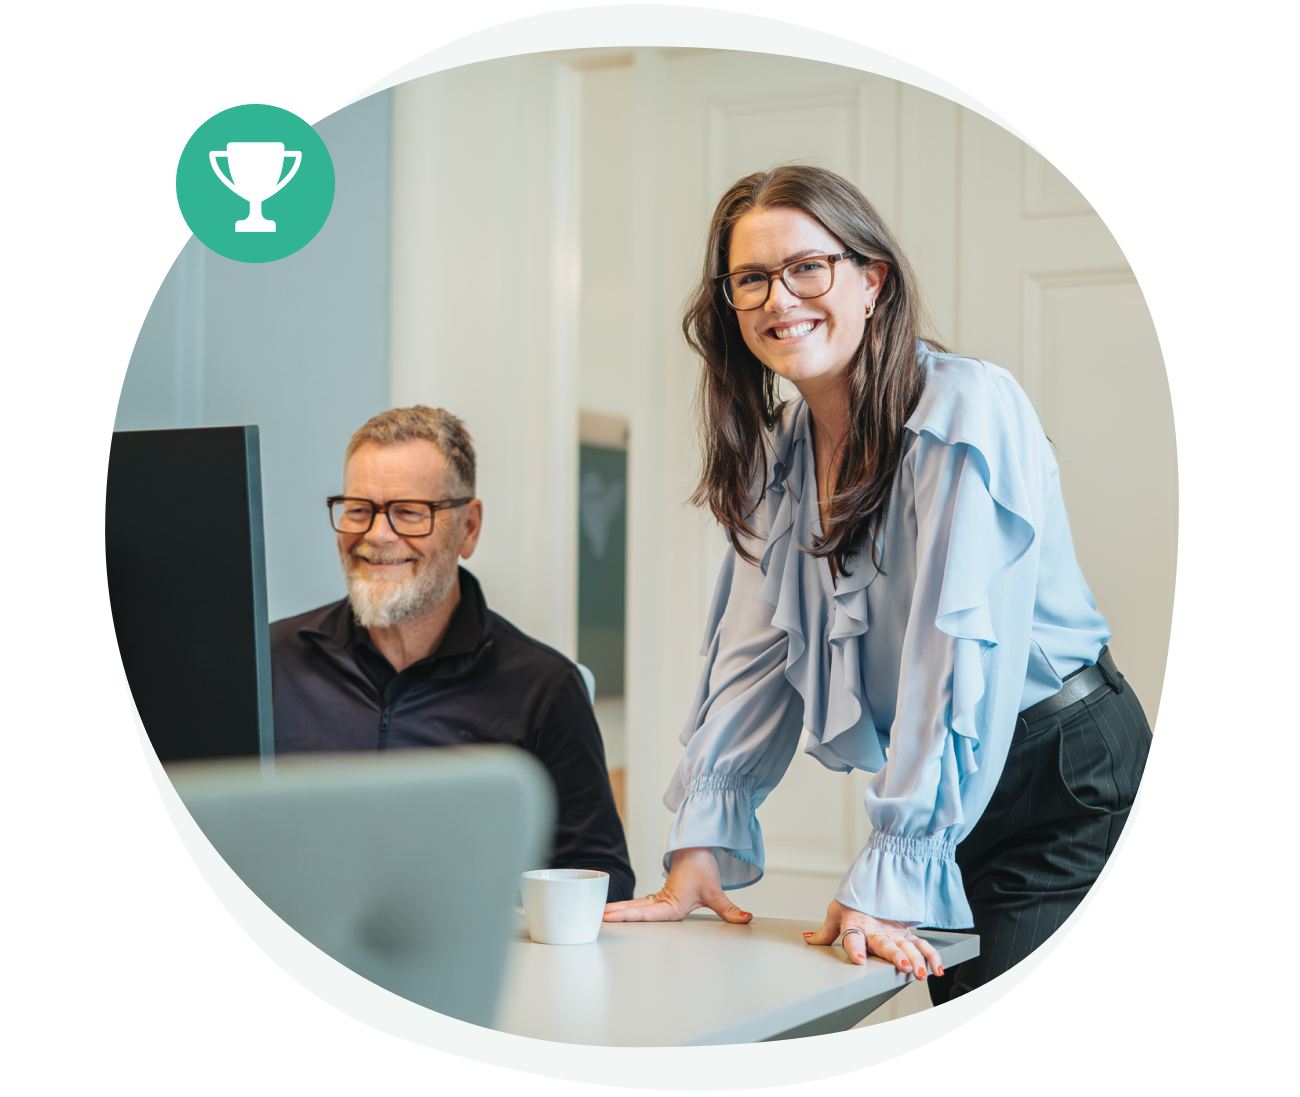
(812, 341)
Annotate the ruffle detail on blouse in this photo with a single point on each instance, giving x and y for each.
(966, 402)
(913, 880)
(837, 716)
(721, 815)
(978, 405)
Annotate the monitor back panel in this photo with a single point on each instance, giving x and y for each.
(187, 582)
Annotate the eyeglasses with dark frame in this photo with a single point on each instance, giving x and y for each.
(406, 517)
(816, 279)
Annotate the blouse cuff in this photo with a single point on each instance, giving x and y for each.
(913, 880)
(718, 811)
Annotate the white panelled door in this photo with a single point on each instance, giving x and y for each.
(1015, 267)
(1046, 292)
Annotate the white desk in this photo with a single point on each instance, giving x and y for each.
(699, 981)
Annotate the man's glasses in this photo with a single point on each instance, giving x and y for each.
(406, 517)
(811, 276)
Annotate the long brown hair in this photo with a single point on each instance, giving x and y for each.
(738, 394)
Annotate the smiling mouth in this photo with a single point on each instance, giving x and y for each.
(386, 563)
(793, 331)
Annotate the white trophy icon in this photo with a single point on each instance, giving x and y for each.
(255, 168)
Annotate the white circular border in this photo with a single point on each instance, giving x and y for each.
(654, 26)
(727, 1067)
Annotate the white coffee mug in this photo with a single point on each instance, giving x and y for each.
(564, 906)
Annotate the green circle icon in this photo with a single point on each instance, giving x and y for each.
(255, 183)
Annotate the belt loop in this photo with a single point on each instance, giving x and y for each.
(1109, 671)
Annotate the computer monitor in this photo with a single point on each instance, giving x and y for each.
(187, 583)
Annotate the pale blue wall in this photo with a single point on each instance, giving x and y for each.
(298, 347)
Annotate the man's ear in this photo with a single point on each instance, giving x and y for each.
(471, 526)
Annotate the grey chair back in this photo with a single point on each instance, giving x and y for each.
(402, 866)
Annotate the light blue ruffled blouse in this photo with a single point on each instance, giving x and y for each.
(915, 672)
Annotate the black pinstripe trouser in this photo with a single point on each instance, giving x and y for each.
(1055, 816)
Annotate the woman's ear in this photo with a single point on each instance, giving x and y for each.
(874, 275)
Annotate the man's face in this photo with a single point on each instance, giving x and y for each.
(393, 579)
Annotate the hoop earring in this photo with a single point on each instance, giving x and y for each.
(871, 308)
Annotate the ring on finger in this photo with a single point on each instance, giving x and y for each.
(854, 929)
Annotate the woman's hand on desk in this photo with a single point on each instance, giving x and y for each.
(693, 882)
(893, 942)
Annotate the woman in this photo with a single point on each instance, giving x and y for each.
(901, 583)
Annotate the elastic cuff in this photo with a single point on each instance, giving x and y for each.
(720, 815)
(913, 880)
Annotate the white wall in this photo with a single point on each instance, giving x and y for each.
(484, 310)
(606, 303)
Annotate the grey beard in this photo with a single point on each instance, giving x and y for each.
(384, 603)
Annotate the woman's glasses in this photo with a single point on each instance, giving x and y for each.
(811, 276)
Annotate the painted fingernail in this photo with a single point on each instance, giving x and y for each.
(809, 934)
(905, 965)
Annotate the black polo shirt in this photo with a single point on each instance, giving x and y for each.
(486, 683)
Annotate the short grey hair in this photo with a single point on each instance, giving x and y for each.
(420, 423)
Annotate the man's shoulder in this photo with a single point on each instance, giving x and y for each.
(522, 653)
(523, 657)
(534, 677)
(329, 619)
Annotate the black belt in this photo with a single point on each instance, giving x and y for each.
(1076, 687)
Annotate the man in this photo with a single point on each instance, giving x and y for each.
(413, 656)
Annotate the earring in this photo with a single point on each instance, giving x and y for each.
(871, 308)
